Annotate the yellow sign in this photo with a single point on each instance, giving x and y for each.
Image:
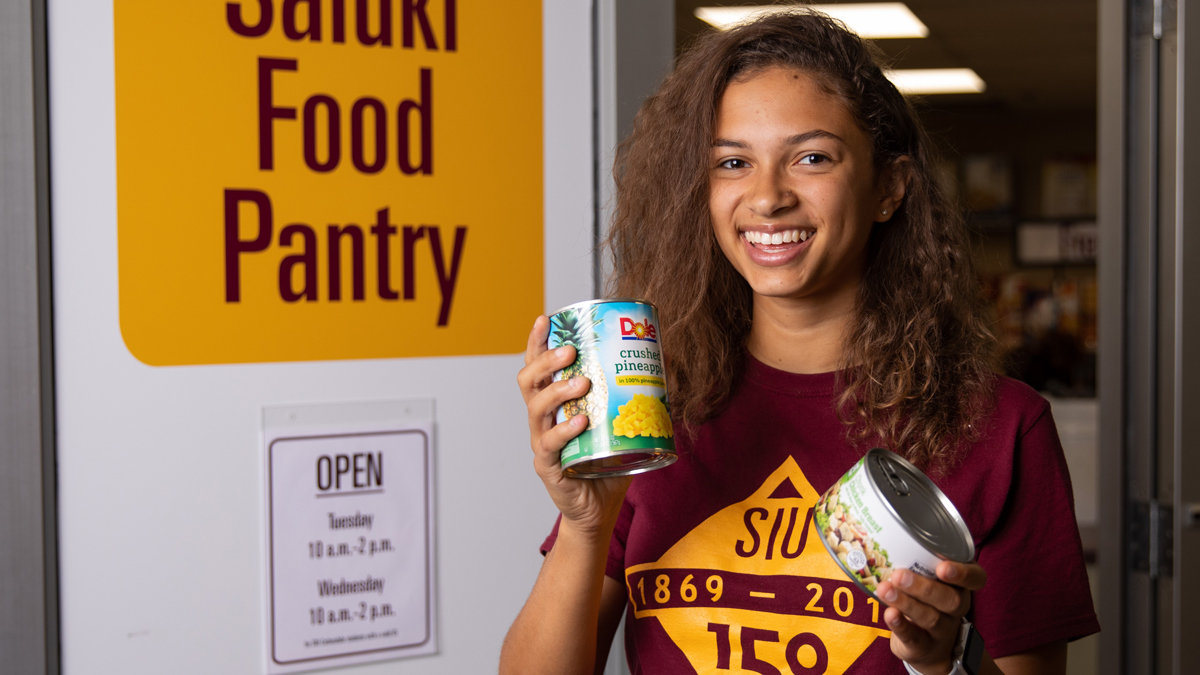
(328, 179)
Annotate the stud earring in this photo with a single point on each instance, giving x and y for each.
(885, 212)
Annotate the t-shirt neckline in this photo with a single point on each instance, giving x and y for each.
(794, 384)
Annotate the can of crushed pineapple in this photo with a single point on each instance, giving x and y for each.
(884, 514)
(629, 418)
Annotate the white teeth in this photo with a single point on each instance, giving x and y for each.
(777, 238)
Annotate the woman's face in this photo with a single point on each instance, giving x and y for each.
(792, 189)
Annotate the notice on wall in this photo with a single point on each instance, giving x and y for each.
(326, 179)
(350, 568)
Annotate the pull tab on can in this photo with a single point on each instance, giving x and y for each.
(894, 479)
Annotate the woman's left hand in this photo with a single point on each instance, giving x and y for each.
(925, 615)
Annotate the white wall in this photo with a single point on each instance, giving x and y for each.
(160, 478)
(1076, 419)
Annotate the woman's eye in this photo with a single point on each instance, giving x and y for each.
(733, 164)
(813, 159)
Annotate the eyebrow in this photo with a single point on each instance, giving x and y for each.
(795, 139)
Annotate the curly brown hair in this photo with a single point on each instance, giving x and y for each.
(917, 369)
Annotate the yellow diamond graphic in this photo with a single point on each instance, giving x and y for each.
(752, 590)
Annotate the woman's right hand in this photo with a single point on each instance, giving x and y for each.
(589, 505)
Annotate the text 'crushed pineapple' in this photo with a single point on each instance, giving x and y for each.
(643, 416)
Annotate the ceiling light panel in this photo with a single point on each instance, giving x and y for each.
(873, 20)
(937, 81)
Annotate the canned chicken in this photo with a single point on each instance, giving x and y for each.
(885, 514)
(629, 419)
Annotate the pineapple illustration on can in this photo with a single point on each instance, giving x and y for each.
(629, 418)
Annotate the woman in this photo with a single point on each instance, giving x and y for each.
(777, 202)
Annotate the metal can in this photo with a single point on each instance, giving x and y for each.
(884, 514)
(629, 418)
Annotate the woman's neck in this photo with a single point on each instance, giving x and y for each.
(801, 335)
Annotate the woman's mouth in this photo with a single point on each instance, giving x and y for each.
(776, 238)
(775, 247)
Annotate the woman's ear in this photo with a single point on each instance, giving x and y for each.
(893, 182)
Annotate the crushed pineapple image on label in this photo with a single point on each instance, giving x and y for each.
(629, 417)
(643, 416)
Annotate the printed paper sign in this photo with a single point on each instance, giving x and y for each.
(326, 179)
(349, 539)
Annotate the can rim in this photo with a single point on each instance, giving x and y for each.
(601, 301)
(659, 458)
(955, 516)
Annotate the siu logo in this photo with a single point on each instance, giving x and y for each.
(632, 330)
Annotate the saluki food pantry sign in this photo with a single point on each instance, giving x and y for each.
(327, 179)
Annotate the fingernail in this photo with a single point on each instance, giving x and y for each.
(951, 572)
(903, 578)
(579, 420)
(578, 381)
(895, 621)
(562, 351)
(889, 595)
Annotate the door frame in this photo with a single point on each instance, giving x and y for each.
(1149, 384)
(29, 630)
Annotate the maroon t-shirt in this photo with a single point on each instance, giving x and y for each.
(724, 569)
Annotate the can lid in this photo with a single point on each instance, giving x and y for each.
(601, 301)
(916, 502)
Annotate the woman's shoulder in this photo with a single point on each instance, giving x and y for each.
(1017, 405)
(1018, 421)
(1017, 449)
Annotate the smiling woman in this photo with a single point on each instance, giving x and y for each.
(804, 131)
(768, 182)
(776, 200)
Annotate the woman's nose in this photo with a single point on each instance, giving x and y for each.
(770, 194)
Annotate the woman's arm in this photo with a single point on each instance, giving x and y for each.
(1048, 659)
(570, 611)
(568, 622)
